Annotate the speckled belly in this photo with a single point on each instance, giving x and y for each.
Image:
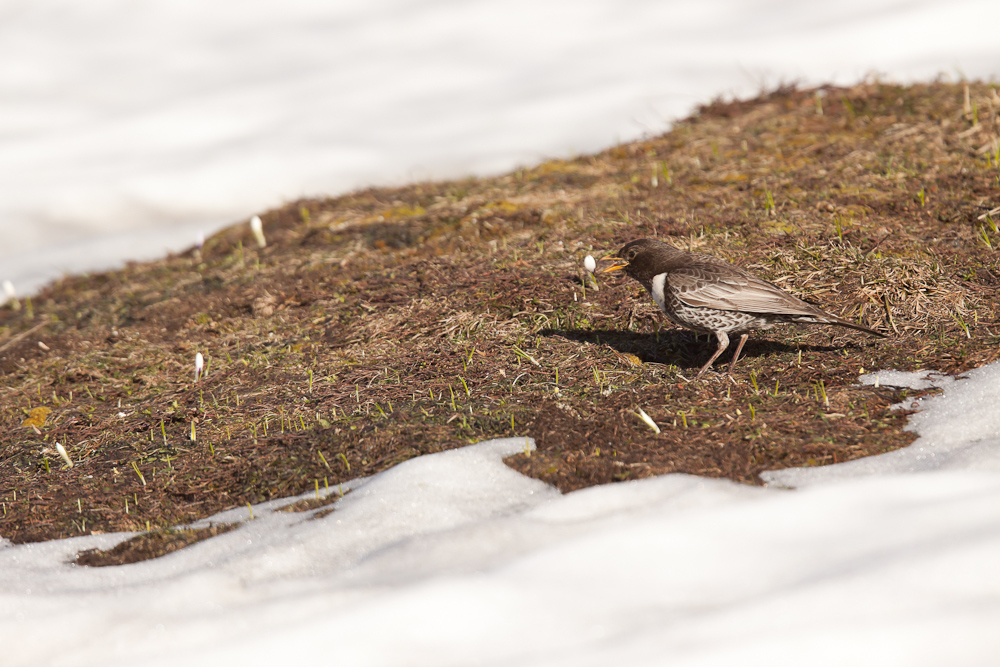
(710, 319)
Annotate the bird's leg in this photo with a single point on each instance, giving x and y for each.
(739, 348)
(723, 344)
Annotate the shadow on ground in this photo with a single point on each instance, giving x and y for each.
(684, 349)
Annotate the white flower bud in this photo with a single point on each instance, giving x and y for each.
(257, 227)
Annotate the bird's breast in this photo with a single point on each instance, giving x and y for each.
(657, 288)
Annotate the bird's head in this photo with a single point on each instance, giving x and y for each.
(640, 259)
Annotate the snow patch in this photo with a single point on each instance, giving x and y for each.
(958, 429)
(455, 559)
(130, 128)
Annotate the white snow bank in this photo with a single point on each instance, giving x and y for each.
(455, 559)
(871, 573)
(120, 117)
(959, 429)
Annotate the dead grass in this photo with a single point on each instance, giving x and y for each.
(390, 323)
(150, 545)
(307, 504)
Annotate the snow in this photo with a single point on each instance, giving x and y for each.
(959, 429)
(127, 128)
(456, 559)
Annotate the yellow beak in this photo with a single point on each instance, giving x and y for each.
(610, 264)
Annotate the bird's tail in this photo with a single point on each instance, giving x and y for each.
(822, 317)
(857, 327)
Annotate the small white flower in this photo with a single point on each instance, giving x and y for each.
(199, 366)
(9, 294)
(589, 263)
(257, 227)
(64, 455)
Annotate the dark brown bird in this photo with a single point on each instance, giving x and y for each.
(706, 294)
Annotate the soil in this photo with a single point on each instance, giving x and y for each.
(390, 323)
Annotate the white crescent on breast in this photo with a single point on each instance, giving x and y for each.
(659, 282)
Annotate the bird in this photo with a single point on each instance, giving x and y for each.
(709, 295)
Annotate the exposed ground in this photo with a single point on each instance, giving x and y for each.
(390, 323)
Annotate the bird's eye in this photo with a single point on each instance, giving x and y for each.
(631, 254)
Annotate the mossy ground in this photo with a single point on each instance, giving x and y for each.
(390, 323)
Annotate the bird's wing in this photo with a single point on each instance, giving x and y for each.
(726, 287)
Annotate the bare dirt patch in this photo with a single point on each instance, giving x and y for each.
(150, 545)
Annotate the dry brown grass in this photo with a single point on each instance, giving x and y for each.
(390, 323)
